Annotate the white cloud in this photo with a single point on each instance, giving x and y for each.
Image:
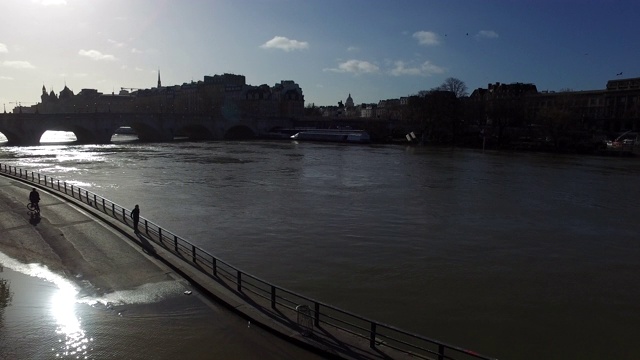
(426, 38)
(50, 2)
(425, 69)
(283, 43)
(96, 55)
(6, 78)
(487, 34)
(353, 49)
(355, 67)
(136, 51)
(3, 48)
(115, 43)
(18, 64)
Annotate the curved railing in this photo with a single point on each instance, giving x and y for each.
(310, 313)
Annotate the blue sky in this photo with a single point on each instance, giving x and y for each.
(371, 49)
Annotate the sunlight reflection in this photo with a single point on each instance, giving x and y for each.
(74, 342)
(63, 307)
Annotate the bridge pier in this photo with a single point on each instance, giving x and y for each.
(26, 137)
(94, 136)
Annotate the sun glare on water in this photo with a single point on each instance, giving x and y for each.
(73, 341)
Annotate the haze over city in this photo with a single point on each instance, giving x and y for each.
(373, 50)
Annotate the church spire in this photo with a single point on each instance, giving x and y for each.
(159, 82)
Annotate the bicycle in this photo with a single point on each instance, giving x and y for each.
(34, 209)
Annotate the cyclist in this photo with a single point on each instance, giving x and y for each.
(34, 198)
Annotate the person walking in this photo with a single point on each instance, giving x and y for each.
(135, 215)
(34, 198)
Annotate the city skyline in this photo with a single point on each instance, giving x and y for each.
(373, 50)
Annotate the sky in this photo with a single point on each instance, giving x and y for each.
(372, 49)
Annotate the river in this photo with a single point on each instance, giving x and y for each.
(513, 255)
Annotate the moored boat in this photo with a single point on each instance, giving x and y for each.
(333, 135)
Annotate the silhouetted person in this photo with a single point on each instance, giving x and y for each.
(34, 198)
(135, 215)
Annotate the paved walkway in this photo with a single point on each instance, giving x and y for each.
(109, 262)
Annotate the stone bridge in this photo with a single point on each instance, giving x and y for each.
(98, 128)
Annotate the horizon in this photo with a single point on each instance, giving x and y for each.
(373, 50)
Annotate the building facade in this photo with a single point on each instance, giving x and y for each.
(226, 95)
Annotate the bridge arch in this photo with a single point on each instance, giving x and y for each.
(239, 132)
(196, 132)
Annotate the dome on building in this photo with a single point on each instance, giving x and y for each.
(349, 102)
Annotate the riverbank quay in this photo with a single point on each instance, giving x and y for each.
(304, 321)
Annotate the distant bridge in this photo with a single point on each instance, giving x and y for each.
(98, 128)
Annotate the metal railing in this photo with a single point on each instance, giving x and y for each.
(376, 333)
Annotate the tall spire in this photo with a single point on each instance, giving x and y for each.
(159, 82)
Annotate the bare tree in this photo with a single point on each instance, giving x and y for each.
(454, 85)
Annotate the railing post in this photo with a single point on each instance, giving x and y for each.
(214, 266)
(372, 336)
(440, 352)
(72, 194)
(316, 315)
(38, 176)
(124, 217)
(273, 297)
(146, 227)
(175, 242)
(95, 200)
(65, 187)
(193, 253)
(104, 207)
(58, 185)
(160, 234)
(239, 279)
(113, 211)
(86, 194)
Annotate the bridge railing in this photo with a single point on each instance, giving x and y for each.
(310, 313)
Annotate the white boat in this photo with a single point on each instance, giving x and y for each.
(333, 135)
